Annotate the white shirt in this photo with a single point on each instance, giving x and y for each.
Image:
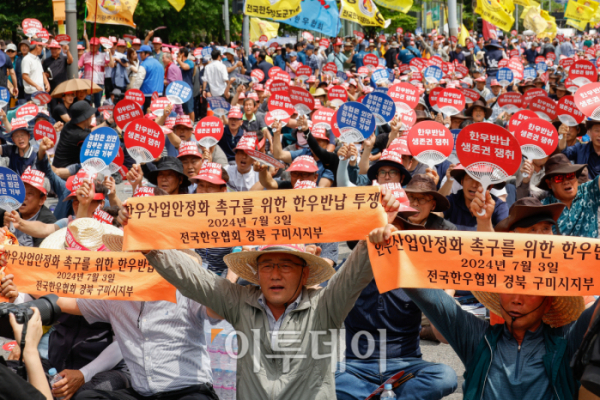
(216, 75)
(241, 182)
(32, 66)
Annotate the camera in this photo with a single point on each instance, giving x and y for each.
(49, 312)
(586, 361)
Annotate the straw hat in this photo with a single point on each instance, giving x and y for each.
(86, 231)
(245, 263)
(565, 309)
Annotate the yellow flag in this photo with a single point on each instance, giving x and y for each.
(403, 6)
(258, 27)
(578, 12)
(177, 4)
(494, 13)
(533, 20)
(364, 12)
(283, 9)
(509, 6)
(429, 20)
(112, 12)
(463, 35)
(524, 3)
(551, 29)
(579, 25)
(589, 3)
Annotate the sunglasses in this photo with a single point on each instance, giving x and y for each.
(563, 177)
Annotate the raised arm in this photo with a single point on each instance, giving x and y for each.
(278, 151)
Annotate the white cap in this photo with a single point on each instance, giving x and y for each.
(11, 47)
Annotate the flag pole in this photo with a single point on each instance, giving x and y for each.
(92, 77)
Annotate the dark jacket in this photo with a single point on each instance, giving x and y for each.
(69, 145)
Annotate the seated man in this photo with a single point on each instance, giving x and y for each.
(232, 133)
(20, 153)
(32, 208)
(191, 161)
(288, 320)
(528, 357)
(241, 175)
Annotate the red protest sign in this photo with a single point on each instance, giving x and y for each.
(503, 63)
(540, 59)
(337, 95)
(461, 70)
(566, 63)
(322, 118)
(43, 35)
(510, 102)
(470, 45)
(362, 71)
(144, 135)
(44, 129)
(488, 152)
(304, 72)
(450, 101)
(41, 98)
(544, 107)
(532, 94)
(106, 43)
(537, 138)
(334, 125)
(282, 76)
(330, 68)
(126, 111)
(359, 35)
(471, 96)
(265, 159)
(302, 100)
(324, 43)
(108, 108)
(436, 61)
(405, 95)
(399, 31)
(433, 96)
(63, 39)
(273, 71)
(583, 72)
(408, 119)
(308, 36)
(454, 39)
(198, 52)
(209, 131)
(279, 86)
(590, 52)
(517, 119)
(136, 96)
(403, 69)
(258, 75)
(158, 106)
(120, 158)
(263, 38)
(154, 96)
(587, 100)
(430, 142)
(567, 111)
(517, 68)
(417, 64)
(31, 26)
(551, 56)
(277, 115)
(370, 60)
(416, 77)
(560, 37)
(27, 112)
(281, 101)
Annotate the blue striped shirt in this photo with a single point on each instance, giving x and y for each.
(163, 343)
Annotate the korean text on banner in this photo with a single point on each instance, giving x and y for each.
(258, 27)
(283, 9)
(364, 12)
(488, 262)
(396, 5)
(318, 15)
(253, 218)
(112, 12)
(493, 12)
(97, 275)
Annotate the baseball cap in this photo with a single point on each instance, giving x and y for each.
(189, 149)
(183, 120)
(11, 47)
(303, 164)
(157, 40)
(210, 172)
(136, 41)
(34, 178)
(145, 49)
(235, 112)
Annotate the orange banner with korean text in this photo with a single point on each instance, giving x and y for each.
(98, 275)
(488, 262)
(257, 218)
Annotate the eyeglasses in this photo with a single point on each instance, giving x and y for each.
(420, 200)
(284, 267)
(563, 177)
(392, 173)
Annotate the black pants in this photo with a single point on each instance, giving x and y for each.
(200, 392)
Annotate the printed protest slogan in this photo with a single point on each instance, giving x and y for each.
(96, 275)
(282, 9)
(488, 262)
(111, 12)
(253, 218)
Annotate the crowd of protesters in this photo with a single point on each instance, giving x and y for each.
(157, 350)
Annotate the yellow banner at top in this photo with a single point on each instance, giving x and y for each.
(364, 12)
(112, 12)
(396, 5)
(493, 12)
(578, 11)
(282, 9)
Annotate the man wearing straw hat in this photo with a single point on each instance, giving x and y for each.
(527, 357)
(291, 330)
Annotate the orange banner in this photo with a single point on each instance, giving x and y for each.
(488, 262)
(194, 221)
(96, 275)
